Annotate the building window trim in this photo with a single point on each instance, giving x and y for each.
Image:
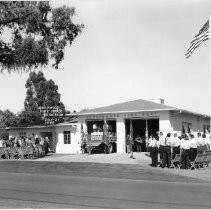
(67, 137)
(186, 127)
(22, 134)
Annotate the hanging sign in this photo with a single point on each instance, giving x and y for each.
(51, 114)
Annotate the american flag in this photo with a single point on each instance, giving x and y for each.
(202, 36)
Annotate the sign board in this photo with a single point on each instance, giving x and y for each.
(52, 114)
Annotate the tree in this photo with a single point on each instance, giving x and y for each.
(7, 118)
(26, 118)
(40, 93)
(38, 33)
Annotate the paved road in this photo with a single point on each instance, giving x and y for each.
(57, 185)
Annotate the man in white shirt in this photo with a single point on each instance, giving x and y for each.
(175, 146)
(204, 147)
(185, 146)
(167, 151)
(161, 143)
(1, 142)
(200, 144)
(154, 151)
(193, 148)
(207, 140)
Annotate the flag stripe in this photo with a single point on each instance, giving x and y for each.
(196, 44)
(187, 56)
(202, 36)
(197, 40)
(199, 36)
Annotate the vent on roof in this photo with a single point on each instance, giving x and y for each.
(157, 100)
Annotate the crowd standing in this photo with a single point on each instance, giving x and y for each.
(28, 141)
(187, 145)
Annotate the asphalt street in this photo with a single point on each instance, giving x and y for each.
(88, 185)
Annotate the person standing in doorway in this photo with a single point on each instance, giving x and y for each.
(46, 145)
(138, 141)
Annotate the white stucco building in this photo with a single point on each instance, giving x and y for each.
(63, 137)
(147, 118)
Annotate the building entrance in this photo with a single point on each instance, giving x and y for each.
(141, 128)
(95, 130)
(50, 137)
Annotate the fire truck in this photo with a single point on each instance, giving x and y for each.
(98, 143)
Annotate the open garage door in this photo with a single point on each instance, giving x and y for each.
(140, 127)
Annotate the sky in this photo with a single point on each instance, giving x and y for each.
(128, 50)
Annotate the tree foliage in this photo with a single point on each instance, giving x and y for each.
(39, 33)
(41, 93)
(29, 118)
(7, 119)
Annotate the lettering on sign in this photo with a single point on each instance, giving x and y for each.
(51, 115)
(143, 114)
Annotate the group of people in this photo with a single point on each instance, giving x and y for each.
(187, 145)
(28, 141)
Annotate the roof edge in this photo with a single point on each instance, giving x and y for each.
(40, 126)
(195, 113)
(120, 112)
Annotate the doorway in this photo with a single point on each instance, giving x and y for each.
(139, 129)
(50, 137)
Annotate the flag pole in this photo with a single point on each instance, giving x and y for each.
(210, 61)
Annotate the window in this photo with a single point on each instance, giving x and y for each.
(66, 137)
(186, 127)
(22, 134)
